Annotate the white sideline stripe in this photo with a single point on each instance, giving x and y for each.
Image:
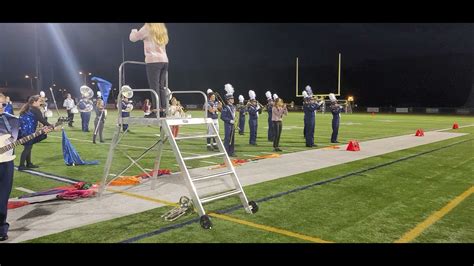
(49, 176)
(208, 162)
(25, 190)
(189, 167)
(444, 129)
(124, 145)
(105, 143)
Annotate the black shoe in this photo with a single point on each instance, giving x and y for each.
(102, 141)
(22, 168)
(4, 238)
(335, 141)
(277, 149)
(31, 166)
(93, 141)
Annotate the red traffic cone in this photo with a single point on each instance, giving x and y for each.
(353, 146)
(455, 125)
(419, 133)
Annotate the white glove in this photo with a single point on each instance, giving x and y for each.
(258, 107)
(134, 30)
(232, 121)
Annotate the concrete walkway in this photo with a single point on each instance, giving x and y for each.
(36, 220)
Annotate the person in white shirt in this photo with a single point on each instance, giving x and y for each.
(69, 104)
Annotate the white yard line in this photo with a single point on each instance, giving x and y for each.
(25, 190)
(208, 162)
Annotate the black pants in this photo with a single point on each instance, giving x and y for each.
(70, 115)
(156, 74)
(277, 126)
(26, 155)
(6, 183)
(99, 130)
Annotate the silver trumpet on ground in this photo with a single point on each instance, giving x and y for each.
(185, 206)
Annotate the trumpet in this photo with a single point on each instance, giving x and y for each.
(258, 103)
(219, 99)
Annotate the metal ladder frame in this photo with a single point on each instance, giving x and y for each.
(166, 135)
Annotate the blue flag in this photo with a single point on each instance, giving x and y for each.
(104, 87)
(71, 157)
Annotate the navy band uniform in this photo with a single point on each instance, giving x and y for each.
(270, 104)
(309, 109)
(8, 125)
(228, 116)
(253, 109)
(336, 114)
(242, 110)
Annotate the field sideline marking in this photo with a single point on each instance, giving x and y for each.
(230, 219)
(269, 228)
(412, 234)
(24, 190)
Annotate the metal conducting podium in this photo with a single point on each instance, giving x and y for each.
(166, 136)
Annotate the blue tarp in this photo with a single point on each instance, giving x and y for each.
(71, 157)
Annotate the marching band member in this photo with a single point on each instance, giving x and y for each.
(9, 124)
(336, 115)
(94, 101)
(241, 108)
(213, 109)
(176, 111)
(147, 111)
(269, 110)
(44, 106)
(100, 115)
(228, 116)
(9, 108)
(30, 115)
(254, 110)
(309, 109)
(279, 109)
(85, 107)
(127, 107)
(69, 105)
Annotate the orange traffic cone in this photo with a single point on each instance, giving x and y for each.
(419, 133)
(353, 146)
(373, 113)
(455, 125)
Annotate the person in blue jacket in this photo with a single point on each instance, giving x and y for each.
(242, 109)
(228, 116)
(9, 108)
(309, 109)
(336, 115)
(254, 110)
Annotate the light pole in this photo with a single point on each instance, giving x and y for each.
(85, 76)
(31, 81)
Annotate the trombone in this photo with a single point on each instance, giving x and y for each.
(258, 103)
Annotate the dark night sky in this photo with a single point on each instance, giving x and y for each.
(408, 61)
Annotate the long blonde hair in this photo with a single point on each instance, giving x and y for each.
(158, 33)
